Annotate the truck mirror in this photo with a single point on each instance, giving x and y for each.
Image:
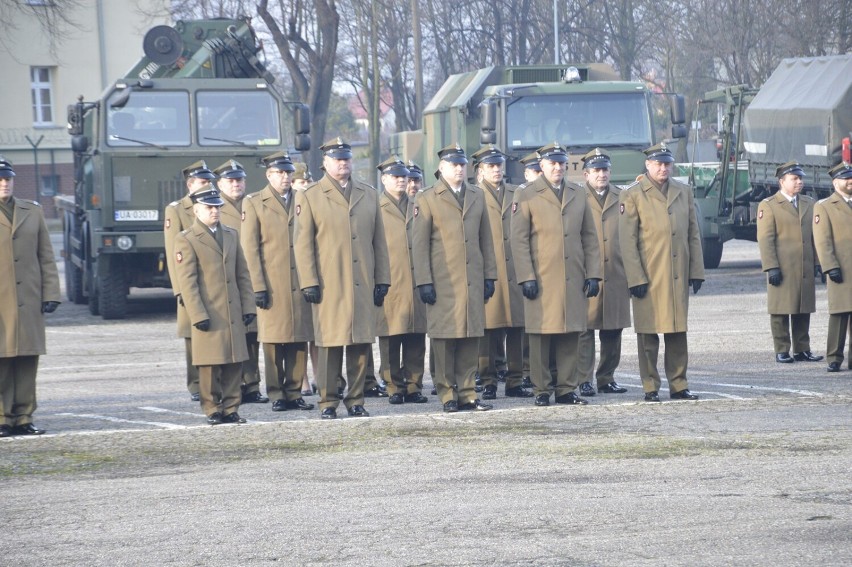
(488, 115)
(679, 131)
(678, 110)
(75, 120)
(487, 137)
(303, 119)
(303, 142)
(80, 144)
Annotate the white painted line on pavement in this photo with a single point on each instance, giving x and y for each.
(769, 389)
(119, 420)
(110, 365)
(164, 410)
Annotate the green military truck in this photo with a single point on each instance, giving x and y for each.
(199, 92)
(522, 108)
(804, 113)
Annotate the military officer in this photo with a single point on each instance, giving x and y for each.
(283, 317)
(609, 311)
(454, 275)
(785, 238)
(29, 288)
(231, 183)
(415, 179)
(344, 272)
(179, 216)
(661, 251)
(833, 239)
(557, 261)
(402, 322)
(532, 169)
(301, 179)
(216, 289)
(504, 312)
(301, 176)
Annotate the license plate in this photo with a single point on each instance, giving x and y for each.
(136, 215)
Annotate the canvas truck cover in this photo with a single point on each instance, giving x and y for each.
(802, 112)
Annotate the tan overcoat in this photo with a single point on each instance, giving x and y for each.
(179, 216)
(833, 239)
(402, 311)
(341, 248)
(453, 251)
(215, 285)
(661, 247)
(611, 308)
(506, 306)
(267, 241)
(231, 214)
(555, 244)
(28, 277)
(785, 239)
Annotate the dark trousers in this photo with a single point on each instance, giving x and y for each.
(18, 389)
(561, 348)
(328, 369)
(455, 369)
(286, 367)
(251, 369)
(676, 359)
(402, 360)
(496, 343)
(219, 388)
(191, 369)
(610, 340)
(839, 327)
(780, 326)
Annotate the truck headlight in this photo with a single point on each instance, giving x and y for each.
(124, 243)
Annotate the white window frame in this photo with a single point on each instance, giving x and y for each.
(36, 88)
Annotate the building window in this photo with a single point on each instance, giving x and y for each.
(42, 95)
(49, 185)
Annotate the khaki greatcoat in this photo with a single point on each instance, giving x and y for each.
(215, 285)
(833, 238)
(341, 248)
(267, 241)
(611, 308)
(402, 311)
(28, 277)
(454, 252)
(785, 238)
(661, 247)
(554, 244)
(179, 216)
(506, 306)
(231, 214)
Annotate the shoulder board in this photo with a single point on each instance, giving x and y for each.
(174, 204)
(36, 203)
(625, 187)
(824, 200)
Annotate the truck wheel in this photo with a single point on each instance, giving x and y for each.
(94, 299)
(113, 294)
(712, 248)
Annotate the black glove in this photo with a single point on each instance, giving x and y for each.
(50, 306)
(818, 273)
(427, 294)
(530, 289)
(591, 287)
(489, 289)
(696, 285)
(261, 299)
(639, 291)
(774, 276)
(180, 300)
(203, 325)
(312, 294)
(379, 293)
(248, 319)
(835, 275)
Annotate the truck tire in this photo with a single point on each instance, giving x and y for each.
(712, 248)
(113, 293)
(94, 299)
(73, 274)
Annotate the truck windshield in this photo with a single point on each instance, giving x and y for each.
(149, 119)
(582, 119)
(227, 118)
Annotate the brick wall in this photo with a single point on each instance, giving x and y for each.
(26, 188)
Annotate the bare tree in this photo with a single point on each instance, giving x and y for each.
(55, 18)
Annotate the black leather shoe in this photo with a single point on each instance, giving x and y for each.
(586, 389)
(358, 411)
(783, 357)
(434, 391)
(375, 392)
(415, 398)
(27, 429)
(833, 367)
(683, 395)
(451, 407)
(806, 356)
(652, 397)
(5, 431)
(518, 392)
(254, 398)
(611, 388)
(571, 399)
(527, 382)
(475, 405)
(396, 399)
(490, 392)
(299, 404)
(542, 400)
(329, 413)
(196, 397)
(279, 405)
(233, 418)
(214, 418)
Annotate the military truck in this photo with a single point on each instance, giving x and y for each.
(199, 92)
(804, 113)
(522, 108)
